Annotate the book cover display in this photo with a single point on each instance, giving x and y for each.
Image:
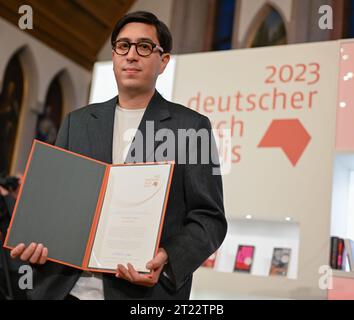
(210, 262)
(244, 258)
(341, 254)
(280, 261)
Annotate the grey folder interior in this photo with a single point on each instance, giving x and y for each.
(58, 203)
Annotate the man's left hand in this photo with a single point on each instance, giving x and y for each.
(148, 280)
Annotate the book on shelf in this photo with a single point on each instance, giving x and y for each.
(244, 258)
(280, 262)
(210, 262)
(342, 254)
(333, 260)
(340, 251)
(349, 253)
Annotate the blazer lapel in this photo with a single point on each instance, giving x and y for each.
(152, 121)
(100, 130)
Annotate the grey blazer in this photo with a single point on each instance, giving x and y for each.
(195, 223)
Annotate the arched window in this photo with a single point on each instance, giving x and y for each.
(271, 30)
(49, 121)
(11, 98)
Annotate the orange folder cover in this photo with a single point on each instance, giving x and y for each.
(89, 214)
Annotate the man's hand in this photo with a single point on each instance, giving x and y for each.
(34, 253)
(3, 192)
(14, 193)
(155, 265)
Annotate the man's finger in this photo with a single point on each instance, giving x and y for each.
(157, 262)
(136, 276)
(142, 279)
(133, 276)
(146, 283)
(3, 192)
(123, 272)
(155, 274)
(44, 256)
(17, 251)
(28, 252)
(36, 254)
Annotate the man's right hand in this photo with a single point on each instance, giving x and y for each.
(34, 253)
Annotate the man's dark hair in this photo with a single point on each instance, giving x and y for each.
(163, 33)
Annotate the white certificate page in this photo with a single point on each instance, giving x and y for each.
(131, 216)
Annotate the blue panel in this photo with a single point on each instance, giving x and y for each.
(351, 28)
(224, 24)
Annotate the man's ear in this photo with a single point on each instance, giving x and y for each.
(165, 60)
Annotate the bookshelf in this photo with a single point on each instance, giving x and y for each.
(342, 218)
(264, 236)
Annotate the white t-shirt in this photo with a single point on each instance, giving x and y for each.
(126, 122)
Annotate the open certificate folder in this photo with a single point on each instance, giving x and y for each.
(89, 214)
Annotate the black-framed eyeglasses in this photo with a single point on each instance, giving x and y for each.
(143, 48)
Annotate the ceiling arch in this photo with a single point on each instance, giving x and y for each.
(76, 28)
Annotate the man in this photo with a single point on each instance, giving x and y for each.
(195, 224)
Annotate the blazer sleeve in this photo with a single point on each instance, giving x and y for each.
(62, 140)
(205, 224)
